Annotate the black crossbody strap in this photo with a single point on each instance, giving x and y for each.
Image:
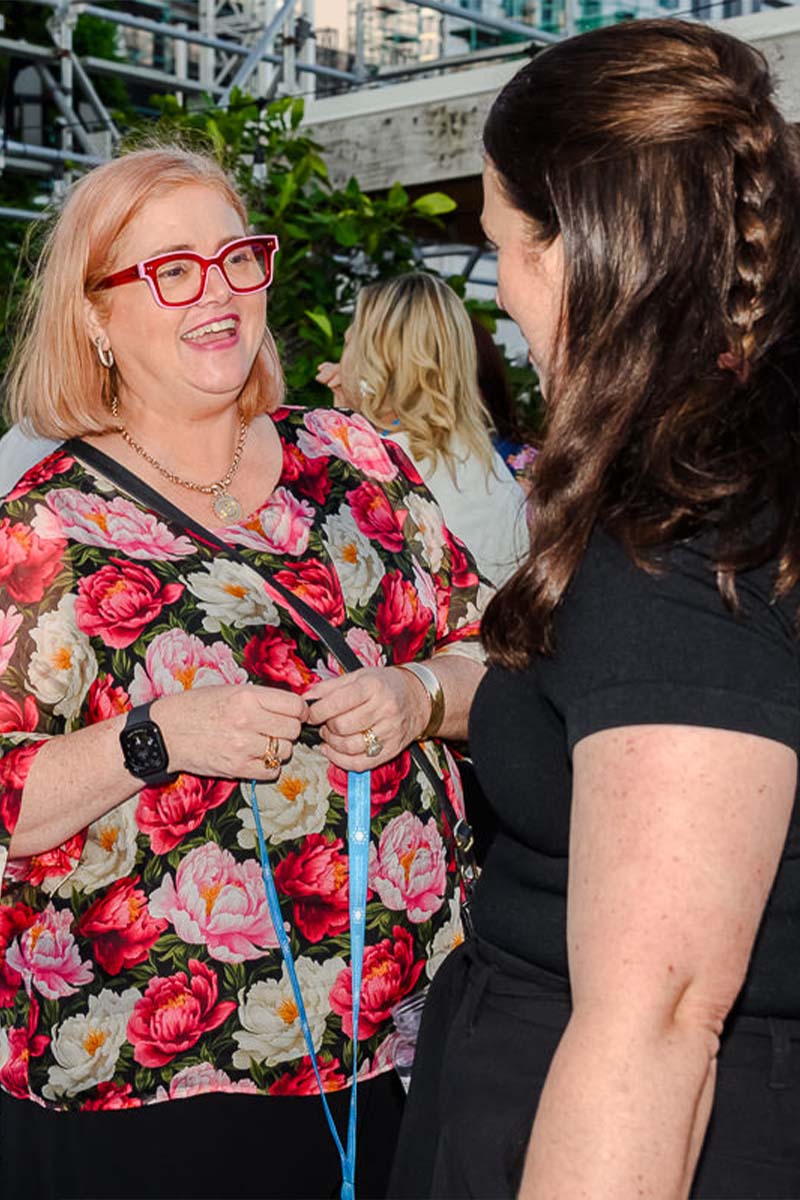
(331, 637)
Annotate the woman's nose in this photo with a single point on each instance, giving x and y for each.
(216, 284)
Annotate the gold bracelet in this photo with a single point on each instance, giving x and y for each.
(430, 681)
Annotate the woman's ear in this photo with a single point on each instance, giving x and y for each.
(95, 327)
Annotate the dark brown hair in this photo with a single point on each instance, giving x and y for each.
(494, 386)
(656, 152)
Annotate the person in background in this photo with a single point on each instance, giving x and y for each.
(626, 1021)
(510, 439)
(150, 1041)
(410, 366)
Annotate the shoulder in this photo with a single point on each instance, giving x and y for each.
(683, 576)
(638, 646)
(19, 452)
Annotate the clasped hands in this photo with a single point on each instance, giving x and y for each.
(247, 731)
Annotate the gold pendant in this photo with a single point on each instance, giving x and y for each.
(227, 507)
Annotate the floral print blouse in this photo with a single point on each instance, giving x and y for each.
(138, 961)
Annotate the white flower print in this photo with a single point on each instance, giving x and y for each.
(271, 1032)
(108, 853)
(86, 1047)
(294, 805)
(426, 590)
(233, 594)
(63, 665)
(428, 519)
(446, 938)
(357, 564)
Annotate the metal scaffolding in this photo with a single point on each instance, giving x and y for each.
(268, 48)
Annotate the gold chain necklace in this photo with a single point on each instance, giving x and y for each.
(226, 506)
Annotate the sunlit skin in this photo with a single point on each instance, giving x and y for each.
(529, 276)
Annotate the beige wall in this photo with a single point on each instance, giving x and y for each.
(428, 131)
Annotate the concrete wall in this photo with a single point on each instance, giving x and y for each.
(428, 131)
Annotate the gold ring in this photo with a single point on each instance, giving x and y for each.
(372, 743)
(271, 757)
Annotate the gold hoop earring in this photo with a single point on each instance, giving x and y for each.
(106, 356)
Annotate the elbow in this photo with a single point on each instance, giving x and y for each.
(701, 1009)
(686, 1017)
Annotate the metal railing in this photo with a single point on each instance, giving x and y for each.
(278, 58)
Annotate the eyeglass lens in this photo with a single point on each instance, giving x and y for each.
(179, 280)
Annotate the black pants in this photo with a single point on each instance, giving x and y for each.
(216, 1147)
(489, 1031)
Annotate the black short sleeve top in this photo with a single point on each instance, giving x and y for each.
(632, 648)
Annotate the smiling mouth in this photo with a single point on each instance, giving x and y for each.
(225, 327)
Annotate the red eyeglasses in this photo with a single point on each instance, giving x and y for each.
(179, 279)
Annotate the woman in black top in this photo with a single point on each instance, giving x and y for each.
(626, 1023)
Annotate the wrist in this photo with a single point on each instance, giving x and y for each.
(166, 713)
(144, 751)
(430, 682)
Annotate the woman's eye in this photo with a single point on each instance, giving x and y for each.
(173, 271)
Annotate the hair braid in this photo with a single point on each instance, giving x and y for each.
(758, 232)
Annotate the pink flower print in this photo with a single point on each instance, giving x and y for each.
(408, 870)
(348, 436)
(110, 1096)
(389, 974)
(525, 458)
(174, 1013)
(23, 1045)
(218, 903)
(55, 464)
(115, 524)
(203, 1077)
(281, 525)
(105, 699)
(360, 642)
(10, 621)
(177, 661)
(375, 516)
(169, 813)
(14, 717)
(303, 1081)
(365, 647)
(120, 600)
(47, 957)
(28, 562)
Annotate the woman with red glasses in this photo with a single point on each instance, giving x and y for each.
(162, 699)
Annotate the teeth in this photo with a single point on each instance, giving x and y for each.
(227, 326)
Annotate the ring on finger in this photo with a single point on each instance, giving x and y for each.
(372, 743)
(271, 757)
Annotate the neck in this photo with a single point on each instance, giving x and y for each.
(199, 445)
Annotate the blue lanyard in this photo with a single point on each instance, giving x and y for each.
(358, 827)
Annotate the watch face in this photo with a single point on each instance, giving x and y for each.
(144, 750)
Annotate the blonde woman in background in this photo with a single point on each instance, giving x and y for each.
(410, 367)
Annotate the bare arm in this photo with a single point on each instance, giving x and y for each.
(213, 731)
(676, 836)
(394, 704)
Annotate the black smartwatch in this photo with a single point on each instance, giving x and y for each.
(143, 748)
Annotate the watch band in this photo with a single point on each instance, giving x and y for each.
(430, 681)
(140, 715)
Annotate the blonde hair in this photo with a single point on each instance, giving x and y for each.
(411, 350)
(56, 385)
